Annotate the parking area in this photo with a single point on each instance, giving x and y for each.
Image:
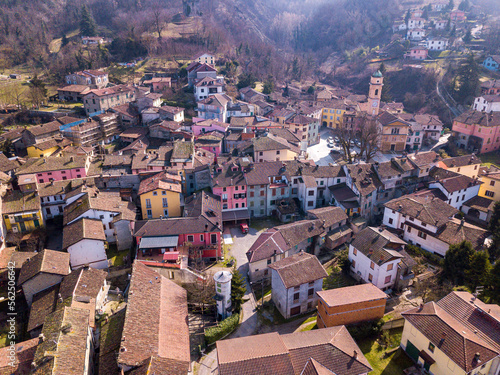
(320, 152)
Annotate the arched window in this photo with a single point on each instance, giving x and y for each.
(376, 92)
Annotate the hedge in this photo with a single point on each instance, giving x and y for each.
(224, 328)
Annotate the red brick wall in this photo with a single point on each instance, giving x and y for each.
(350, 314)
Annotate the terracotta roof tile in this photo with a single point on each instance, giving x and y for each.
(46, 261)
(298, 269)
(24, 354)
(351, 294)
(379, 245)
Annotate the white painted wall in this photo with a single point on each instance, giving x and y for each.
(89, 252)
(457, 198)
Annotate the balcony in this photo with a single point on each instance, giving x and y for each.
(19, 219)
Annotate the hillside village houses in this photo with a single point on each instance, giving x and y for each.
(156, 193)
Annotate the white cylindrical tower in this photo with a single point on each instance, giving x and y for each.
(223, 293)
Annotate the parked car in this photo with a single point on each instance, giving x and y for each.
(244, 228)
(330, 139)
(330, 144)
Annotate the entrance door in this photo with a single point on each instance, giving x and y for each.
(412, 351)
(295, 311)
(393, 147)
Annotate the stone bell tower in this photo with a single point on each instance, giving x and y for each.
(375, 93)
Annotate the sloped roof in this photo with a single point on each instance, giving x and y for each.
(267, 244)
(82, 229)
(46, 261)
(24, 354)
(429, 210)
(51, 163)
(163, 180)
(452, 181)
(472, 117)
(455, 231)
(332, 348)
(459, 329)
(166, 334)
(378, 244)
(298, 269)
(351, 294)
(460, 161)
(16, 202)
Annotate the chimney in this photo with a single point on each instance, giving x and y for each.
(206, 227)
(41, 338)
(59, 297)
(421, 307)
(355, 355)
(72, 159)
(370, 252)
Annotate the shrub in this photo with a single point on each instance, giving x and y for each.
(224, 328)
(368, 329)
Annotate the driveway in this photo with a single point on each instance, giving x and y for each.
(249, 323)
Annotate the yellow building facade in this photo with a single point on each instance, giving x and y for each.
(333, 116)
(490, 187)
(161, 203)
(22, 212)
(275, 155)
(415, 343)
(34, 152)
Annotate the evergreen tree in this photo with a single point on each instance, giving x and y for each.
(268, 85)
(407, 16)
(464, 5)
(479, 271)
(425, 14)
(468, 36)
(494, 228)
(450, 5)
(238, 290)
(457, 262)
(468, 79)
(495, 282)
(245, 80)
(88, 26)
(386, 89)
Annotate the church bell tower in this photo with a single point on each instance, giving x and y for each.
(375, 93)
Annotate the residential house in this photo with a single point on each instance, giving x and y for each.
(323, 351)
(22, 212)
(491, 87)
(40, 133)
(155, 339)
(72, 93)
(457, 188)
(161, 196)
(128, 114)
(467, 165)
(95, 79)
(418, 53)
(214, 107)
(40, 272)
(92, 40)
(229, 183)
(436, 44)
(459, 334)
(338, 231)
(171, 113)
(171, 242)
(415, 137)
(87, 133)
(208, 126)
(440, 24)
(273, 148)
(479, 209)
(151, 100)
(306, 126)
(51, 147)
(85, 288)
(53, 195)
(432, 126)
(240, 109)
(490, 187)
(212, 142)
(251, 95)
(66, 344)
(429, 223)
(393, 132)
(205, 58)
(350, 305)
(457, 15)
(416, 23)
(398, 25)
(416, 34)
(85, 241)
(99, 100)
(109, 123)
(115, 214)
(281, 115)
(158, 84)
(295, 281)
(198, 71)
(21, 357)
(487, 103)
(207, 86)
(53, 168)
(477, 131)
(375, 255)
(280, 242)
(363, 182)
(424, 161)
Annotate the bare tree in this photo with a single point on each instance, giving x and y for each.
(346, 134)
(17, 95)
(369, 136)
(201, 293)
(159, 17)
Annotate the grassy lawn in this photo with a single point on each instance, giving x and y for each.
(490, 158)
(116, 257)
(384, 359)
(260, 224)
(337, 279)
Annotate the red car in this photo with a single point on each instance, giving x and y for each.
(244, 228)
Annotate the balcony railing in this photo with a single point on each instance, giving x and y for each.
(19, 219)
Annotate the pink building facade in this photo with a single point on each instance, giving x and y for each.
(232, 197)
(477, 132)
(66, 174)
(206, 126)
(417, 53)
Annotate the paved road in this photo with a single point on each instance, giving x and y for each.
(249, 323)
(320, 152)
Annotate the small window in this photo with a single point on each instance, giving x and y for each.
(355, 251)
(353, 264)
(163, 192)
(155, 193)
(390, 266)
(387, 279)
(372, 265)
(431, 347)
(190, 238)
(391, 221)
(370, 277)
(310, 292)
